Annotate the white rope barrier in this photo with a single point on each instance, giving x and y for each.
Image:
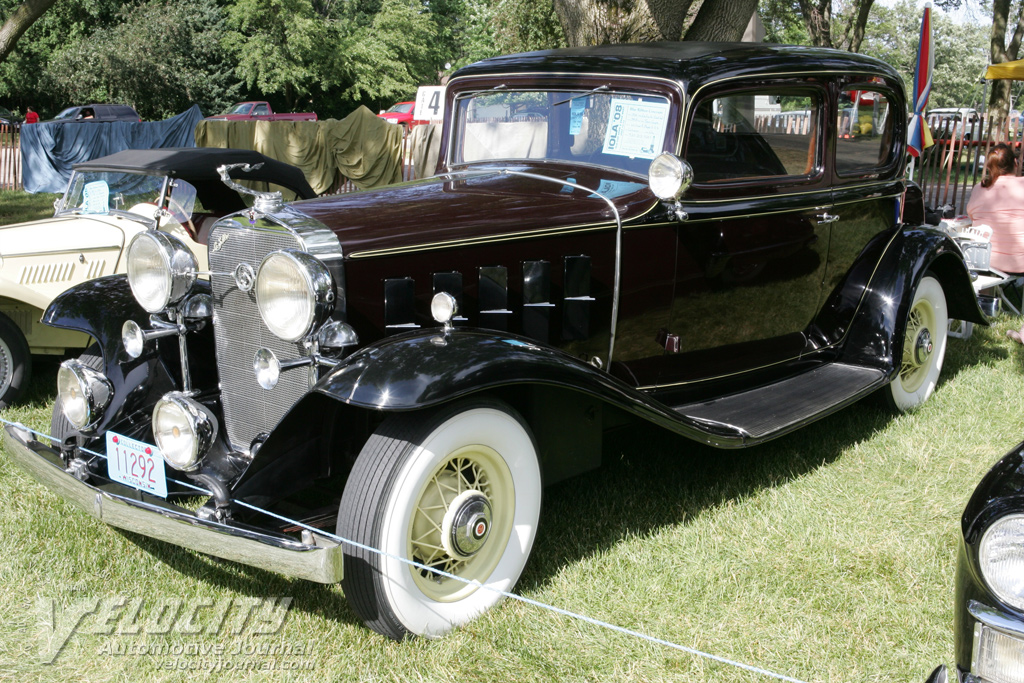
(512, 596)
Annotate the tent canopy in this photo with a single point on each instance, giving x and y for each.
(1009, 70)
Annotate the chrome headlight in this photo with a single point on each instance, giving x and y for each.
(294, 292)
(84, 394)
(669, 176)
(1001, 559)
(161, 270)
(184, 430)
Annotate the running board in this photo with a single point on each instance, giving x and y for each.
(773, 410)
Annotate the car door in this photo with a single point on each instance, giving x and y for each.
(752, 252)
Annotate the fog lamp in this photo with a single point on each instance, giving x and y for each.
(84, 394)
(267, 368)
(184, 430)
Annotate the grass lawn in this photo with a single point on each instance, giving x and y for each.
(22, 206)
(827, 555)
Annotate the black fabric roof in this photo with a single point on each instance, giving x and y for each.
(198, 166)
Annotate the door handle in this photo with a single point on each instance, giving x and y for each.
(827, 218)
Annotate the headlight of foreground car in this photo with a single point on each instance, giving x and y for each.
(184, 430)
(161, 270)
(294, 292)
(84, 394)
(1001, 558)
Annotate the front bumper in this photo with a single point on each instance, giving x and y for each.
(321, 562)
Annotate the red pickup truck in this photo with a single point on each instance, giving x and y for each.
(259, 111)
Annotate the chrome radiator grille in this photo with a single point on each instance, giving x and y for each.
(249, 410)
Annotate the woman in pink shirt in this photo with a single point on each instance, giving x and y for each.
(998, 201)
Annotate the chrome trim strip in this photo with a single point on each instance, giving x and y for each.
(994, 619)
(322, 563)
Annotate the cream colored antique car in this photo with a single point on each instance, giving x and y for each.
(107, 202)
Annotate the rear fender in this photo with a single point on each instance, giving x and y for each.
(876, 334)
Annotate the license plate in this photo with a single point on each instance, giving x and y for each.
(136, 463)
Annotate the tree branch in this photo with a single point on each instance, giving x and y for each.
(23, 16)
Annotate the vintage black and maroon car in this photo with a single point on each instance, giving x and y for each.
(710, 237)
(988, 613)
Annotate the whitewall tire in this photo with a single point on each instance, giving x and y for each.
(457, 490)
(924, 347)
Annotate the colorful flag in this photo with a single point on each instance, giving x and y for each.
(920, 137)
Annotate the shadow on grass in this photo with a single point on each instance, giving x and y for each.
(652, 479)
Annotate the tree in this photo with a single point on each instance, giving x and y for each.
(161, 58)
(1002, 51)
(960, 53)
(593, 22)
(19, 21)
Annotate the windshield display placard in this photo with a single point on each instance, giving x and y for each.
(636, 129)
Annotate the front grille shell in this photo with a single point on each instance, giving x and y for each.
(250, 410)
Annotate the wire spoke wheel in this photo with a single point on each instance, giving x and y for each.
(457, 491)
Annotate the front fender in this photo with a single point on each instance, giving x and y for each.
(99, 308)
(425, 368)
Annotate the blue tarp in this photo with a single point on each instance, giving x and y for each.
(48, 150)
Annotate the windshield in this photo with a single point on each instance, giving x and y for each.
(401, 108)
(618, 129)
(98, 192)
(67, 113)
(242, 108)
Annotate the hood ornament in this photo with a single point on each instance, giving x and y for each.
(266, 202)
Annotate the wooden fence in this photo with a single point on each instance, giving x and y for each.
(10, 158)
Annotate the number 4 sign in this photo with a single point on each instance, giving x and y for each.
(429, 103)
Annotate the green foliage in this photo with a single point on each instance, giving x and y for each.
(64, 24)
(161, 58)
(783, 22)
(961, 51)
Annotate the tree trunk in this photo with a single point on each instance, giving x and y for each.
(999, 99)
(598, 22)
(23, 16)
(721, 20)
(818, 19)
(853, 36)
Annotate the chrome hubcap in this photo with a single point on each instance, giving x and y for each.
(466, 524)
(923, 347)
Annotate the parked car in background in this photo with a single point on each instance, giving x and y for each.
(402, 114)
(259, 111)
(96, 113)
(374, 387)
(961, 123)
(7, 118)
(108, 201)
(988, 610)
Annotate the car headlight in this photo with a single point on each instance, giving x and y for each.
(294, 292)
(1001, 559)
(161, 270)
(184, 430)
(84, 394)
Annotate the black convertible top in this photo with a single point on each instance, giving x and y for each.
(198, 166)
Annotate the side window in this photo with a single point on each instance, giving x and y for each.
(754, 134)
(864, 133)
(261, 110)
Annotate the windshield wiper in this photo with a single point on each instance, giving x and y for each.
(600, 88)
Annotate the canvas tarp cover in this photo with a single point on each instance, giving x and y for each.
(361, 147)
(49, 150)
